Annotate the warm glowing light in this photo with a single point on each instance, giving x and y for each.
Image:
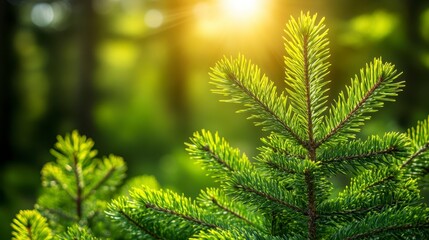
(153, 18)
(238, 18)
(241, 9)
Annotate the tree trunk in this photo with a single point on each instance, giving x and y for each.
(7, 67)
(86, 31)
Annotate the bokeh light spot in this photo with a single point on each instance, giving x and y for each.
(42, 14)
(424, 24)
(153, 18)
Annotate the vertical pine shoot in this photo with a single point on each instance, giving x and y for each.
(77, 186)
(306, 68)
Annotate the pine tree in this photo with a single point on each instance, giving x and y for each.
(286, 192)
(76, 190)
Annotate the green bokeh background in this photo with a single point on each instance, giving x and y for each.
(140, 90)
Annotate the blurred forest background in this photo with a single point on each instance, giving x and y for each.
(133, 76)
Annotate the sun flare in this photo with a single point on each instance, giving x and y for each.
(241, 9)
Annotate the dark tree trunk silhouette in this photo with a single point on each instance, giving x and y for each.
(414, 71)
(86, 30)
(177, 67)
(7, 67)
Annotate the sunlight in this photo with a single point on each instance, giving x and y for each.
(154, 18)
(230, 17)
(241, 9)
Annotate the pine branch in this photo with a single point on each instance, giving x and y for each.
(377, 178)
(355, 212)
(77, 232)
(30, 225)
(140, 226)
(77, 184)
(284, 167)
(78, 180)
(306, 67)
(375, 151)
(390, 229)
(180, 215)
(409, 222)
(282, 160)
(279, 145)
(121, 212)
(371, 190)
(104, 177)
(241, 80)
(365, 95)
(230, 211)
(236, 234)
(264, 193)
(217, 203)
(415, 155)
(101, 182)
(164, 213)
(54, 177)
(216, 155)
(269, 197)
(417, 165)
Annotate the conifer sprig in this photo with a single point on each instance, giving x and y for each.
(217, 202)
(306, 68)
(77, 232)
(216, 155)
(388, 150)
(241, 80)
(366, 93)
(393, 223)
(161, 214)
(76, 188)
(30, 225)
(78, 178)
(417, 164)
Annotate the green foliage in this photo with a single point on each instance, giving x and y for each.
(76, 189)
(367, 92)
(286, 192)
(77, 232)
(29, 224)
(417, 164)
